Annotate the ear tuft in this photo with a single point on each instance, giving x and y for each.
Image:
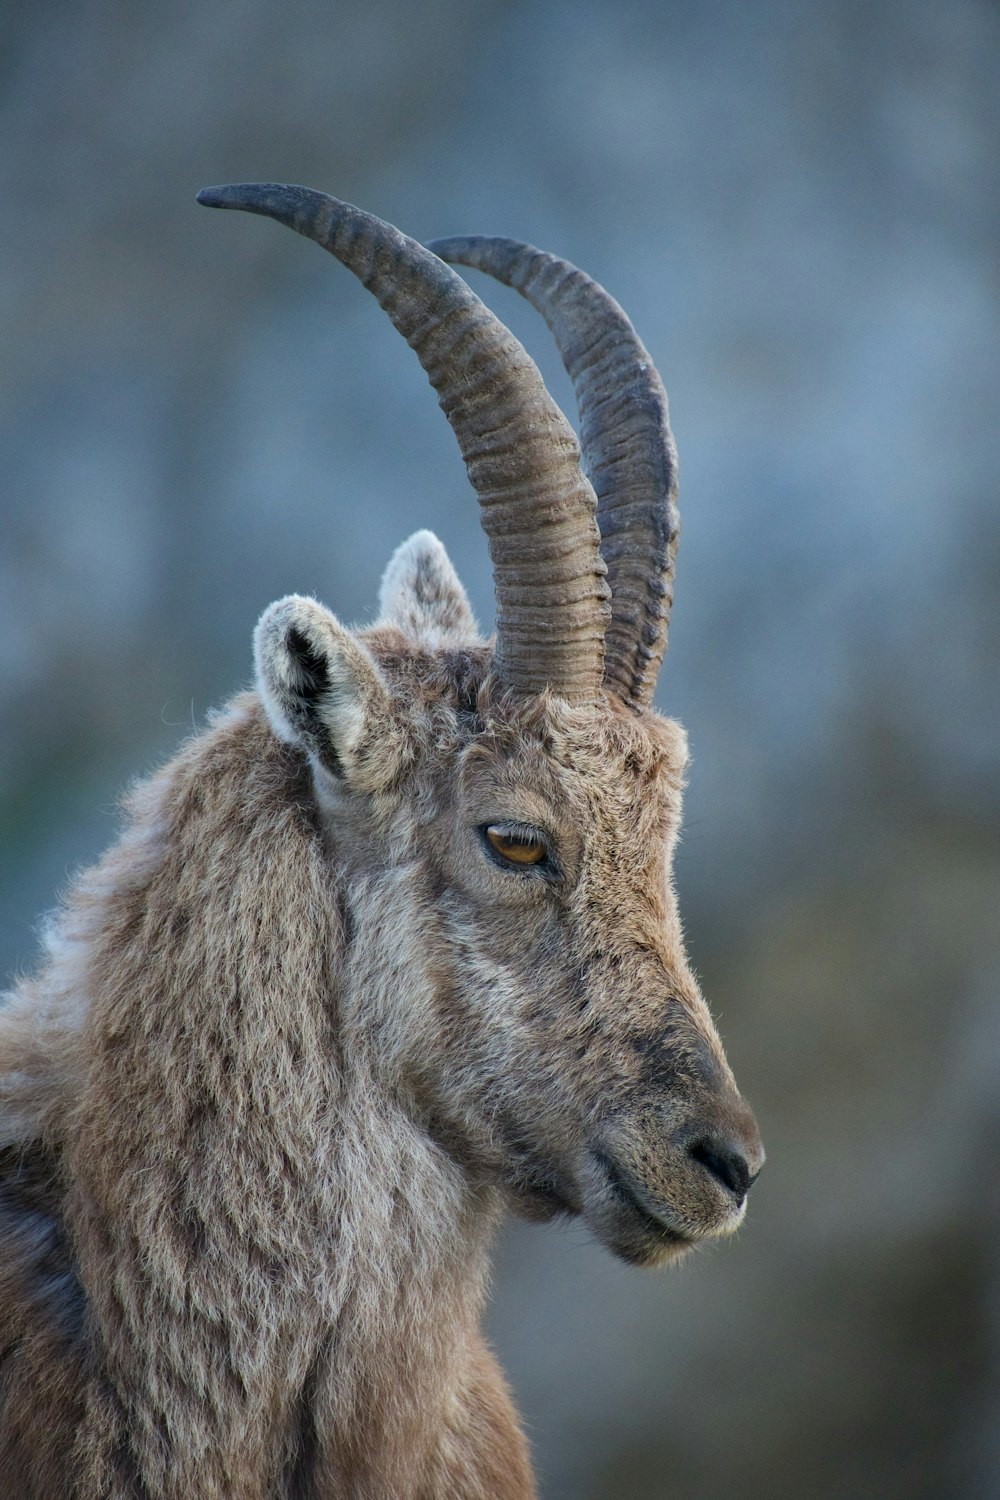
(422, 595)
(324, 692)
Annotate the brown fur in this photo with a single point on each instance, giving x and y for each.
(298, 1043)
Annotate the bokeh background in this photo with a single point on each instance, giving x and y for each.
(798, 201)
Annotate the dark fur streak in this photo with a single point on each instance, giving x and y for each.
(38, 1268)
(673, 1054)
(347, 923)
(302, 1472)
(126, 1469)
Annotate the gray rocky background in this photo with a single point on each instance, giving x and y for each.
(798, 202)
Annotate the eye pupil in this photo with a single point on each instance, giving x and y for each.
(519, 848)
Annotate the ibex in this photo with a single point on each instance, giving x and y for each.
(389, 948)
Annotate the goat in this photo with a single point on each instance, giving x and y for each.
(388, 949)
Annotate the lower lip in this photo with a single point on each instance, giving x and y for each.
(625, 1194)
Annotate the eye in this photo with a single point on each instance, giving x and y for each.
(519, 846)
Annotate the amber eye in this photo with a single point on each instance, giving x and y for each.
(520, 846)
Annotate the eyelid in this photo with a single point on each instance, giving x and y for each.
(509, 829)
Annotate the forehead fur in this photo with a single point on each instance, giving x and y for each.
(454, 697)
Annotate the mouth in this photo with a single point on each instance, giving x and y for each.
(638, 1232)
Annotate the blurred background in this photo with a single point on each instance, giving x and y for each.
(798, 203)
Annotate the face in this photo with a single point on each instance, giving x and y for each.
(573, 1056)
(520, 981)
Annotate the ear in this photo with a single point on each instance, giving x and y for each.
(422, 595)
(324, 692)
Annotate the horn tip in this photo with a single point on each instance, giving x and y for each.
(258, 197)
(215, 197)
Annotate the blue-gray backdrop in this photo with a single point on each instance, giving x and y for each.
(798, 202)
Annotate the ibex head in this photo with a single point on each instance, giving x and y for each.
(504, 814)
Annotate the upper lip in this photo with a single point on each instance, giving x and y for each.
(626, 1191)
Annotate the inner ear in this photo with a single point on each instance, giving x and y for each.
(309, 669)
(421, 594)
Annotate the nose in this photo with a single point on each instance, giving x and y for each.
(733, 1157)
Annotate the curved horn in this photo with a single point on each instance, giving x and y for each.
(627, 444)
(521, 454)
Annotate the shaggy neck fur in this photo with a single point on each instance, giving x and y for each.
(262, 1278)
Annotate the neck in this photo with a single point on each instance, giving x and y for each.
(403, 1287)
(284, 1273)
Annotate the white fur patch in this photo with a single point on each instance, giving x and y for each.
(422, 595)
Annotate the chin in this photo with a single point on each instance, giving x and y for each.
(647, 1249)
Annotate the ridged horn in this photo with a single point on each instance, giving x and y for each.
(522, 457)
(628, 447)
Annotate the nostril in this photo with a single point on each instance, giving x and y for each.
(726, 1163)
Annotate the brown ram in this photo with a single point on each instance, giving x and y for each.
(389, 948)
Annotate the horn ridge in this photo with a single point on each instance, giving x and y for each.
(628, 447)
